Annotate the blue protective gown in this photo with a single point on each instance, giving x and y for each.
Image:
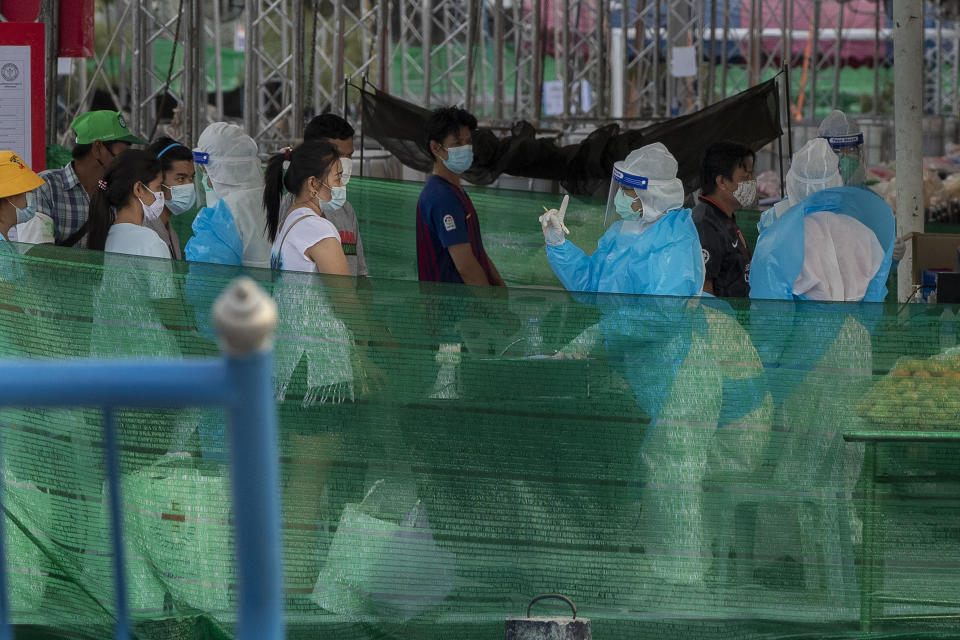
(778, 257)
(664, 259)
(215, 237)
(818, 362)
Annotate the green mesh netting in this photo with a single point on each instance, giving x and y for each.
(675, 467)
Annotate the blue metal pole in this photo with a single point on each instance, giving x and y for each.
(116, 525)
(5, 632)
(117, 383)
(246, 319)
(256, 499)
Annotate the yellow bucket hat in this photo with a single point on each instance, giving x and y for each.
(15, 176)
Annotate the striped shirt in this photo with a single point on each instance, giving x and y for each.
(65, 200)
(446, 217)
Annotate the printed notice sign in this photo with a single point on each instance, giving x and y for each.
(553, 98)
(683, 63)
(15, 101)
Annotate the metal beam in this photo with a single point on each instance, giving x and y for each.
(908, 112)
(50, 15)
(274, 78)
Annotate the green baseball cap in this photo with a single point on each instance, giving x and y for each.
(106, 126)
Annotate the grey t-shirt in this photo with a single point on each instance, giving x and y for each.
(345, 220)
(167, 234)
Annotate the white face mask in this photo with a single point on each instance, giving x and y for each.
(746, 194)
(153, 210)
(347, 165)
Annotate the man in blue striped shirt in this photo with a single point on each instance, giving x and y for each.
(101, 136)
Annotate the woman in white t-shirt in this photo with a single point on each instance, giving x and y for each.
(306, 240)
(309, 330)
(129, 193)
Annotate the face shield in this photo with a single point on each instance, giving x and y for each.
(210, 197)
(230, 158)
(850, 159)
(845, 138)
(644, 186)
(623, 200)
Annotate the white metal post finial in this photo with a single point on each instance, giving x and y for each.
(245, 317)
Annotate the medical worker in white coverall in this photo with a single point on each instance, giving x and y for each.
(830, 244)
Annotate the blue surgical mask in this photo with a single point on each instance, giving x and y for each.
(338, 198)
(182, 198)
(624, 205)
(29, 210)
(459, 159)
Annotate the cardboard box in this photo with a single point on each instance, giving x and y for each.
(934, 252)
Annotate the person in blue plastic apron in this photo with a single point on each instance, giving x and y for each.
(844, 257)
(692, 369)
(831, 244)
(845, 137)
(231, 229)
(653, 247)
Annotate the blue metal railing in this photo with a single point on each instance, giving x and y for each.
(239, 382)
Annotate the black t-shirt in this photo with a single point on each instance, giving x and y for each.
(726, 257)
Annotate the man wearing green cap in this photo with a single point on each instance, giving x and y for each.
(101, 136)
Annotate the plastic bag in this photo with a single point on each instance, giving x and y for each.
(383, 569)
(180, 508)
(26, 509)
(215, 237)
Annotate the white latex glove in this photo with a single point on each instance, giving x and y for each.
(899, 248)
(552, 223)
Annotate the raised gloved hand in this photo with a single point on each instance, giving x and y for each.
(899, 248)
(552, 223)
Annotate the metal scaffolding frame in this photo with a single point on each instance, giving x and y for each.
(177, 84)
(613, 58)
(640, 74)
(684, 30)
(332, 29)
(941, 95)
(517, 25)
(582, 41)
(407, 49)
(449, 61)
(273, 111)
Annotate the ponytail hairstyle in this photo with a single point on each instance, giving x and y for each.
(115, 190)
(169, 151)
(288, 170)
